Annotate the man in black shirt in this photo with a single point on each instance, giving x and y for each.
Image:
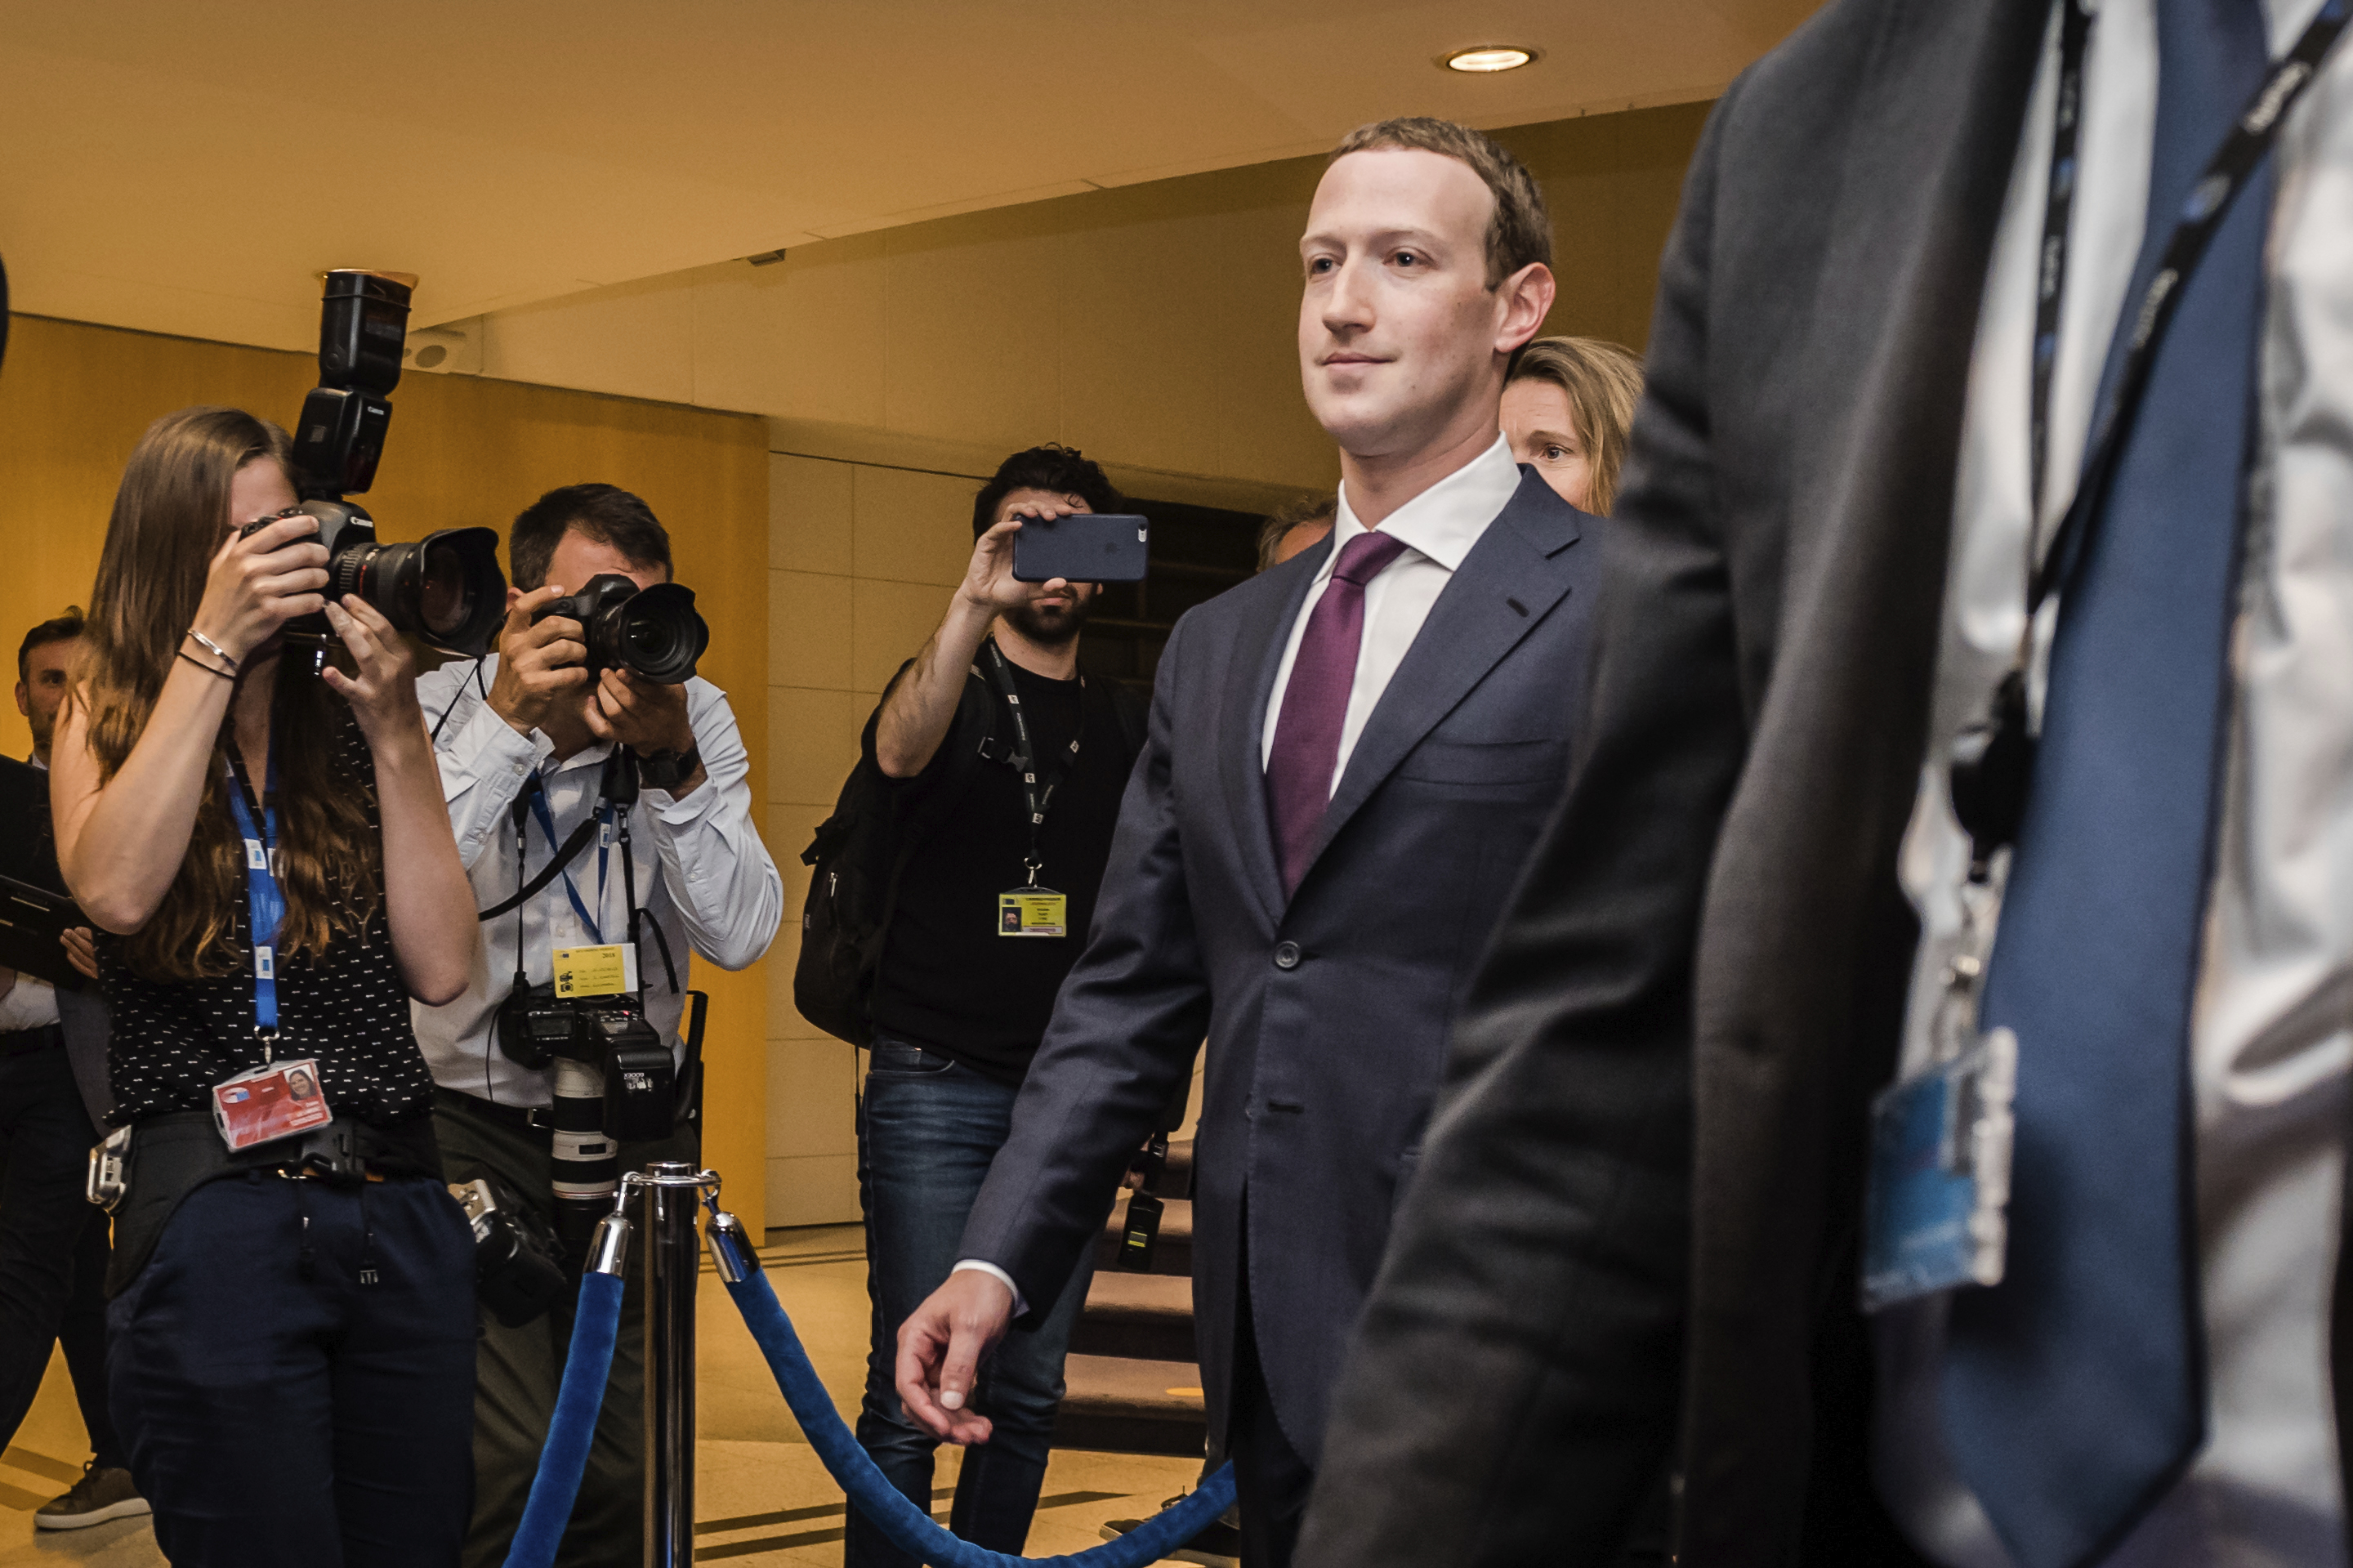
(991, 912)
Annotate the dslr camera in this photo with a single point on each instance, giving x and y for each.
(656, 633)
(613, 1083)
(444, 589)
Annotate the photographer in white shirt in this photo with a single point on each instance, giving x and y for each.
(704, 877)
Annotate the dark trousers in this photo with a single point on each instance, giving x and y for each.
(294, 1370)
(53, 1245)
(927, 1129)
(1271, 1481)
(519, 1370)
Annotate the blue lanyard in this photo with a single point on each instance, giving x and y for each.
(604, 850)
(264, 902)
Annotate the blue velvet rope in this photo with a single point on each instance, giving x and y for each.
(909, 1526)
(564, 1456)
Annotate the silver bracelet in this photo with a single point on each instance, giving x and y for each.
(215, 649)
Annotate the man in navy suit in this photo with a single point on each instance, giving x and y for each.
(1350, 756)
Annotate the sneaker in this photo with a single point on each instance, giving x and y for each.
(99, 1495)
(1219, 1544)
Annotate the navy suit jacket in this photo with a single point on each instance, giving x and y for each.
(1326, 1013)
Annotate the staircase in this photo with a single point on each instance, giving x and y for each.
(1133, 1384)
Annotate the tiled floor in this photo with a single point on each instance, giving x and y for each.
(761, 1496)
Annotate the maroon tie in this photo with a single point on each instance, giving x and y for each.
(1315, 704)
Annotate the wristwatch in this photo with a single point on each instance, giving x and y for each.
(669, 769)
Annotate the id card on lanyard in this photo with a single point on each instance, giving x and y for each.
(1032, 910)
(276, 1099)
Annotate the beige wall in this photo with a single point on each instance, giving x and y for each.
(1151, 326)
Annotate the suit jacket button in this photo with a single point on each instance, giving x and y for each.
(1286, 955)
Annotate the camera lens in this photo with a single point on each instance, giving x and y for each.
(443, 596)
(446, 588)
(661, 635)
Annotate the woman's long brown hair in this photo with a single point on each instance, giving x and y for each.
(170, 517)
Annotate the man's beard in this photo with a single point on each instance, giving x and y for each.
(1048, 628)
(44, 727)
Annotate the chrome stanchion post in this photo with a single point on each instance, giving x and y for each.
(673, 1258)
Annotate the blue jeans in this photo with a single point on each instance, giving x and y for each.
(927, 1129)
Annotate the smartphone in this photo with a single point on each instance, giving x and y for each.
(1083, 547)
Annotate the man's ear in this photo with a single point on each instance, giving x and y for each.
(1523, 301)
(23, 700)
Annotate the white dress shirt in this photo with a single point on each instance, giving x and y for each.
(32, 1002)
(1438, 527)
(2269, 1043)
(700, 869)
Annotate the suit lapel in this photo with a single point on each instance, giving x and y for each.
(1258, 650)
(1470, 630)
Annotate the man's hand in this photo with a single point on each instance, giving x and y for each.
(79, 951)
(940, 1348)
(540, 665)
(990, 585)
(643, 715)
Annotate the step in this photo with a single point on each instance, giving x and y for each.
(1174, 1253)
(1124, 1405)
(1145, 1315)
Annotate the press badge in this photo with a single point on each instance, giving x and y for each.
(608, 970)
(1935, 1211)
(1033, 912)
(276, 1100)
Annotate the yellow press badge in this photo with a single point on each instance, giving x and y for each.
(595, 971)
(1033, 912)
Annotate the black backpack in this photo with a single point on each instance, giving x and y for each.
(860, 852)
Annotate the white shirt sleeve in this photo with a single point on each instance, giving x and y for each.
(718, 871)
(1021, 1307)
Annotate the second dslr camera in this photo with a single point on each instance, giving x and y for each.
(656, 633)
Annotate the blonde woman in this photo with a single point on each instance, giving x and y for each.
(1567, 405)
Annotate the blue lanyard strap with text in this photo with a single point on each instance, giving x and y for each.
(264, 903)
(539, 808)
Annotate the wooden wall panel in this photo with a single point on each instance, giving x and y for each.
(74, 400)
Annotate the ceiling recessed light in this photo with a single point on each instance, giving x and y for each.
(1488, 59)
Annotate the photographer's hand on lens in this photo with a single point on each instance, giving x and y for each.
(540, 666)
(259, 582)
(939, 1349)
(382, 686)
(645, 717)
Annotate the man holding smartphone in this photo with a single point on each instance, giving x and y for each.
(991, 910)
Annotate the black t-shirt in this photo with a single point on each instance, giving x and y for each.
(947, 980)
(174, 1040)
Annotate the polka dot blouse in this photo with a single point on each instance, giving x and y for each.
(174, 1040)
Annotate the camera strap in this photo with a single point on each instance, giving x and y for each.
(1037, 786)
(265, 902)
(566, 853)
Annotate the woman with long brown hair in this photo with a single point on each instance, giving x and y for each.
(260, 838)
(1569, 404)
